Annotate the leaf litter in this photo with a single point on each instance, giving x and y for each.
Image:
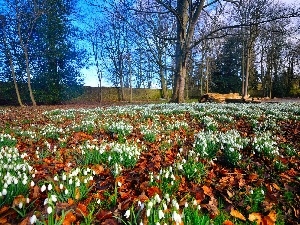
(260, 188)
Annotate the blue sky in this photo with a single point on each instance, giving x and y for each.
(90, 74)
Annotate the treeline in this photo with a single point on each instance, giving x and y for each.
(38, 49)
(214, 46)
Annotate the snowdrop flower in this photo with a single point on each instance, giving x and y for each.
(165, 206)
(20, 205)
(262, 191)
(175, 204)
(176, 217)
(55, 178)
(186, 205)
(46, 201)
(119, 184)
(49, 187)
(54, 198)
(141, 205)
(61, 186)
(49, 210)
(43, 188)
(64, 177)
(150, 205)
(148, 212)
(66, 192)
(33, 219)
(173, 177)
(32, 183)
(127, 214)
(161, 214)
(157, 198)
(167, 174)
(195, 202)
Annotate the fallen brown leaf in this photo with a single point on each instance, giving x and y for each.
(227, 222)
(207, 190)
(255, 217)
(237, 214)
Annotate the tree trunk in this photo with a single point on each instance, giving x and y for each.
(163, 82)
(29, 78)
(247, 72)
(243, 69)
(25, 50)
(181, 51)
(12, 68)
(207, 75)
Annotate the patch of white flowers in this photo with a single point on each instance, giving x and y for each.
(264, 143)
(15, 174)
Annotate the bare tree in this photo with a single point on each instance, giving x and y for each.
(8, 54)
(26, 14)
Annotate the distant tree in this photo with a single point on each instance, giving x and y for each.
(8, 58)
(227, 75)
(58, 61)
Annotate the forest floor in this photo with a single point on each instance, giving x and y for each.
(151, 163)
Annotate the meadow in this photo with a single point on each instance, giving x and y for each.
(151, 164)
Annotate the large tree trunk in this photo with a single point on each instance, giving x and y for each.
(181, 51)
(187, 15)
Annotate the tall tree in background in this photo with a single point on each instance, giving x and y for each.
(8, 56)
(187, 14)
(227, 75)
(60, 61)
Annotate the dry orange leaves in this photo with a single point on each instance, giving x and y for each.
(270, 219)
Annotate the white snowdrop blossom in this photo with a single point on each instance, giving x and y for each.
(127, 214)
(176, 217)
(49, 187)
(49, 210)
(161, 214)
(157, 198)
(54, 198)
(43, 188)
(148, 212)
(33, 219)
(4, 192)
